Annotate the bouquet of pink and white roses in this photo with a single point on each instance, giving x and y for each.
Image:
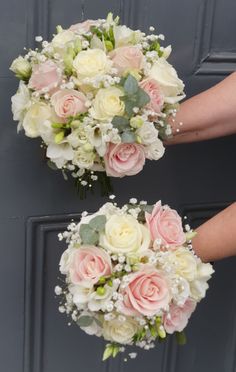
(131, 275)
(99, 96)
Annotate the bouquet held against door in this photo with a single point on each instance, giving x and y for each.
(99, 95)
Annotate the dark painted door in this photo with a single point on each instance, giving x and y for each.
(36, 203)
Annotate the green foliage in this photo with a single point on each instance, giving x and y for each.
(85, 321)
(181, 338)
(128, 137)
(89, 233)
(120, 122)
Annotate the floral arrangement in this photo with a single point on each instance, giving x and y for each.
(132, 276)
(99, 96)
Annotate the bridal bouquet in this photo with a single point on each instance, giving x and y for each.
(99, 96)
(131, 275)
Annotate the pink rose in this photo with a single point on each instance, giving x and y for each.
(45, 77)
(165, 225)
(89, 263)
(152, 88)
(124, 159)
(126, 58)
(83, 26)
(177, 318)
(68, 102)
(146, 293)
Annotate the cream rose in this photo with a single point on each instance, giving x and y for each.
(83, 159)
(66, 260)
(37, 114)
(108, 104)
(125, 36)
(91, 63)
(124, 234)
(167, 78)
(120, 332)
(21, 67)
(62, 38)
(185, 263)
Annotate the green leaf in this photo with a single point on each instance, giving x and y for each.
(98, 223)
(98, 322)
(181, 338)
(142, 98)
(88, 235)
(131, 85)
(85, 321)
(52, 165)
(128, 137)
(107, 352)
(115, 351)
(120, 122)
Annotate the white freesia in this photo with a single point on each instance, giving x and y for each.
(36, 115)
(66, 260)
(155, 150)
(91, 63)
(81, 293)
(124, 234)
(147, 133)
(77, 137)
(199, 286)
(167, 51)
(120, 332)
(60, 153)
(62, 38)
(21, 67)
(94, 328)
(20, 103)
(125, 36)
(166, 76)
(108, 104)
(180, 290)
(47, 132)
(83, 158)
(99, 302)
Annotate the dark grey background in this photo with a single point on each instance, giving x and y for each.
(36, 202)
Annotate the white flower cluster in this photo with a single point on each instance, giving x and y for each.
(97, 93)
(131, 274)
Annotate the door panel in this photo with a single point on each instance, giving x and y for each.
(36, 203)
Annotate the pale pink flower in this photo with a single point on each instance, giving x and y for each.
(127, 58)
(68, 102)
(89, 263)
(82, 26)
(165, 225)
(146, 293)
(124, 159)
(45, 77)
(152, 88)
(177, 318)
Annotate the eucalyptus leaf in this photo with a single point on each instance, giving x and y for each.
(88, 235)
(131, 85)
(85, 321)
(128, 137)
(129, 105)
(98, 322)
(142, 98)
(98, 223)
(120, 122)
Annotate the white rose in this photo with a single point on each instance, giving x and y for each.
(166, 76)
(83, 158)
(91, 63)
(66, 260)
(60, 154)
(124, 234)
(98, 302)
(81, 294)
(77, 137)
(21, 67)
(108, 104)
(147, 133)
(62, 38)
(37, 114)
(20, 103)
(199, 286)
(93, 328)
(125, 36)
(120, 332)
(184, 262)
(155, 150)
